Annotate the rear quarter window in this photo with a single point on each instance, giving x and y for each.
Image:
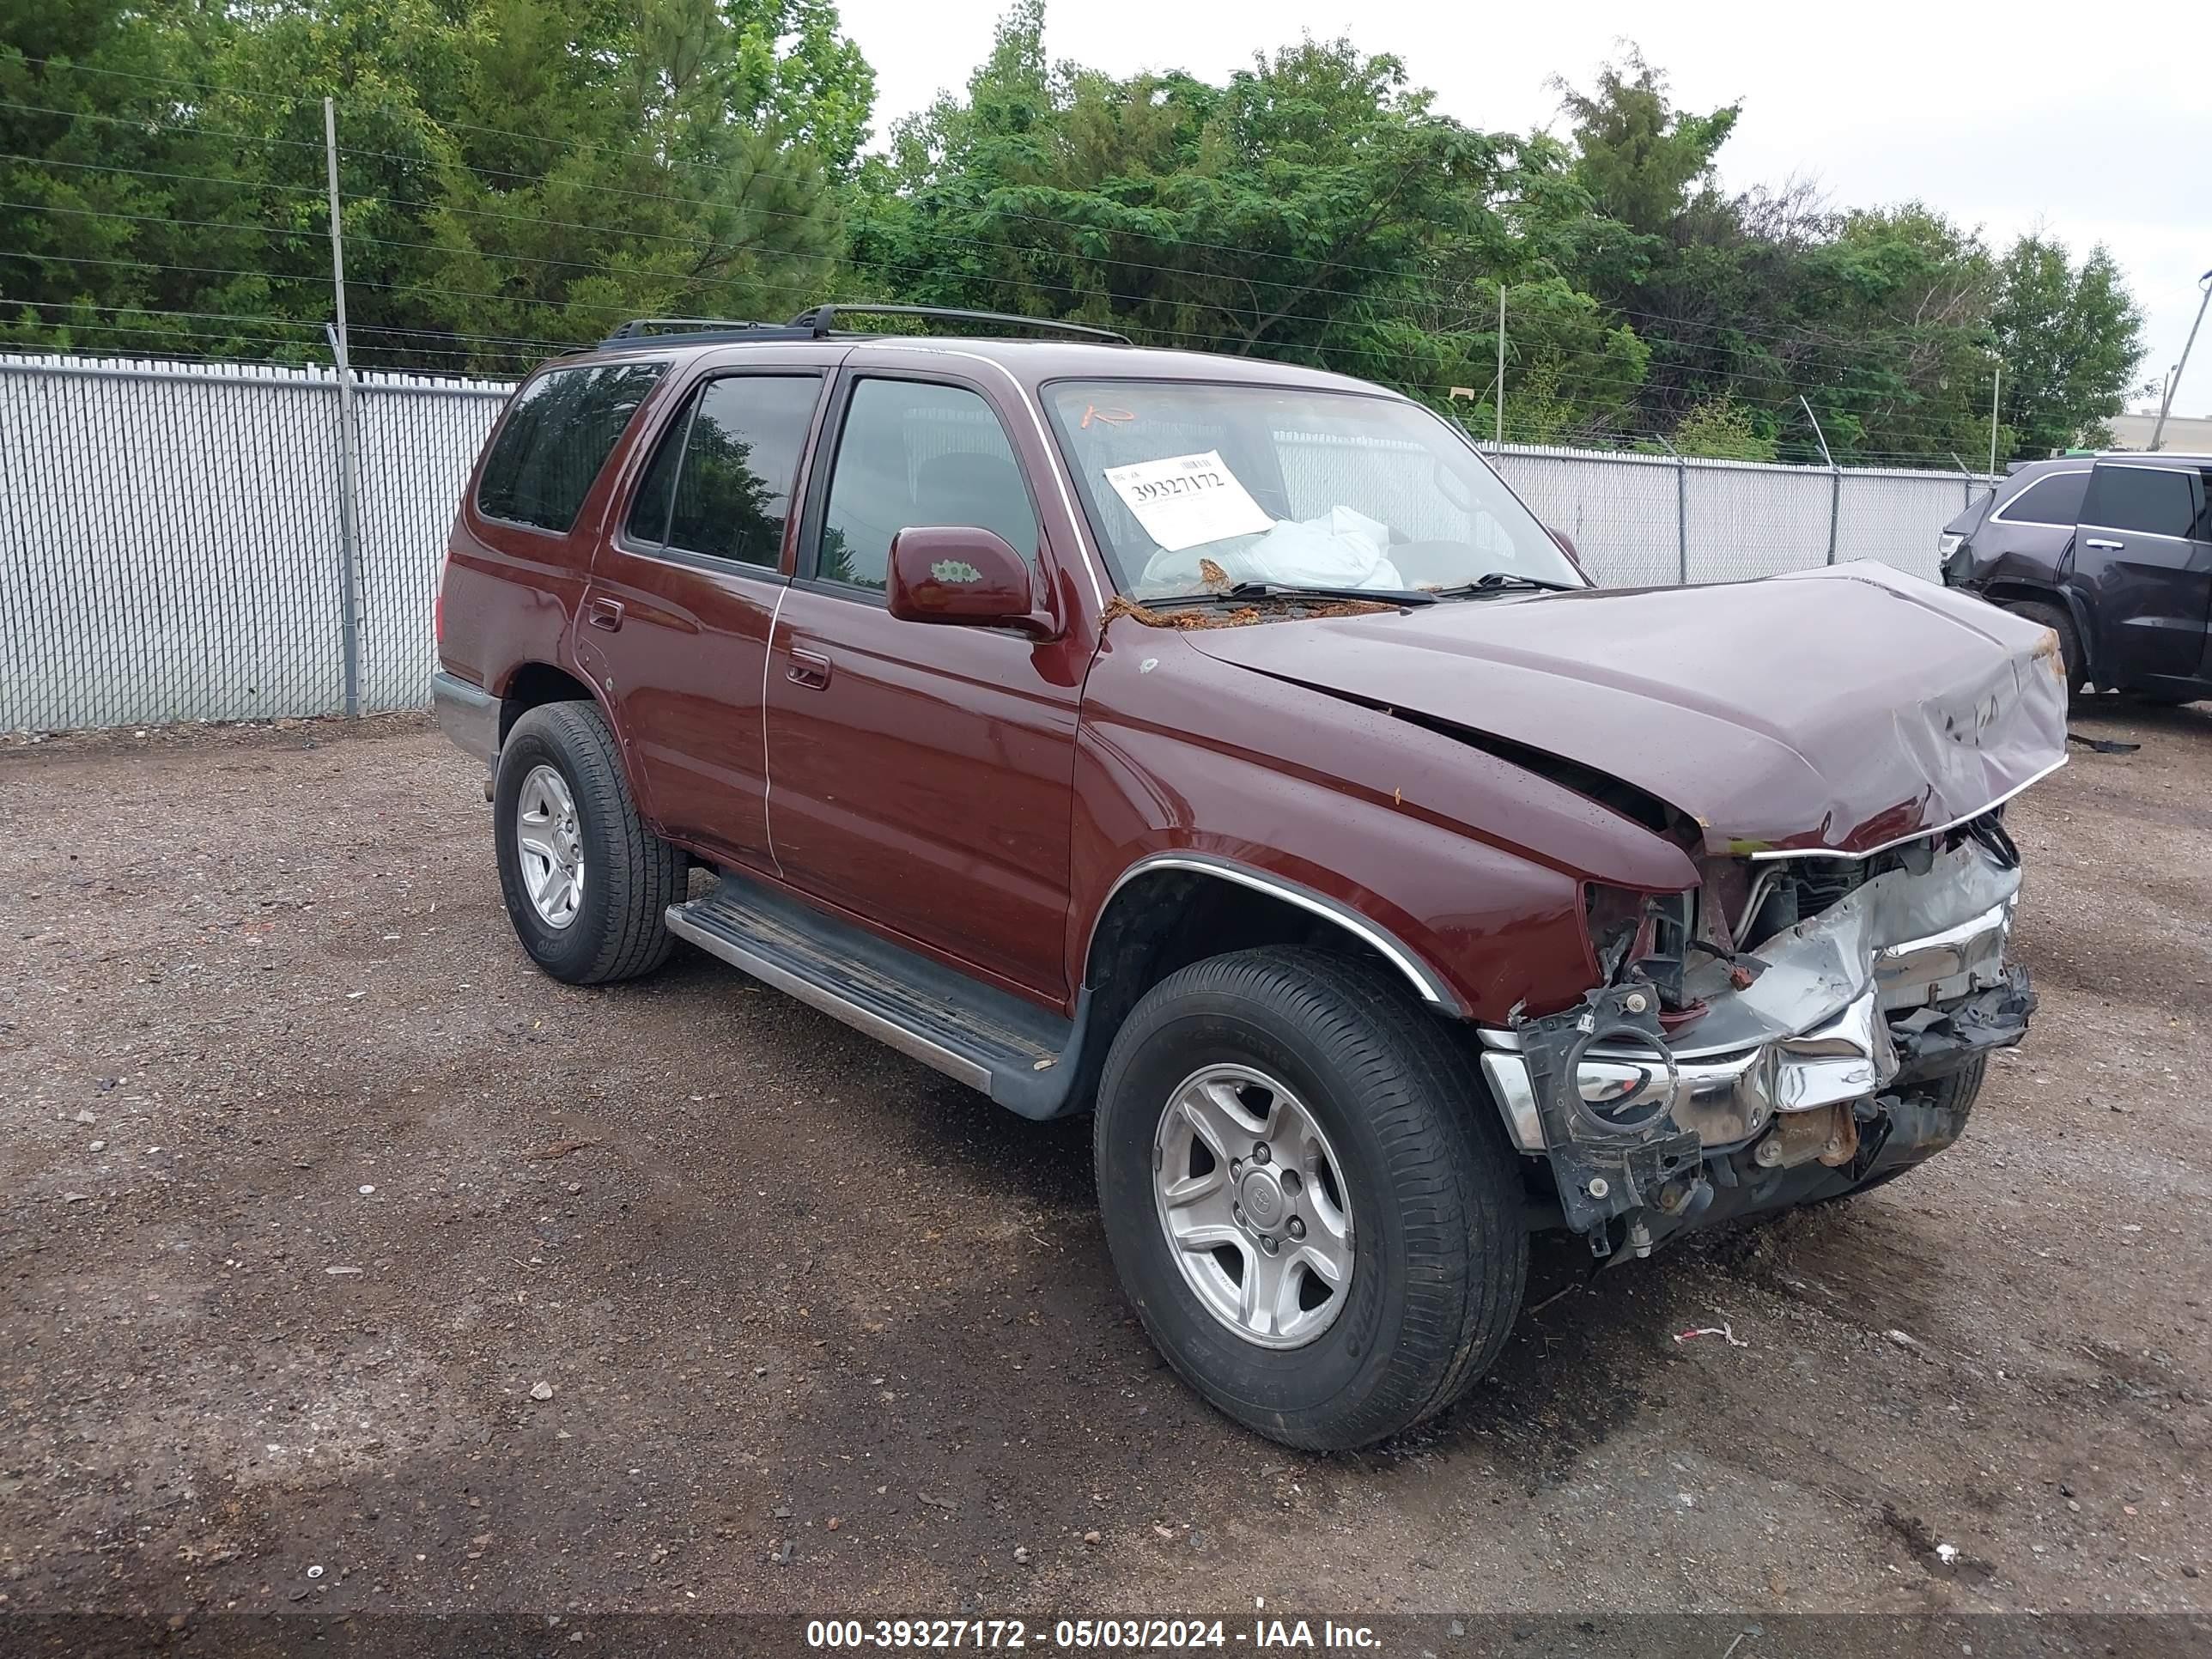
(557, 434)
(2053, 499)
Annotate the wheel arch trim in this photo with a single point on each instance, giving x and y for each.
(1429, 985)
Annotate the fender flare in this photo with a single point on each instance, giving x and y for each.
(1428, 984)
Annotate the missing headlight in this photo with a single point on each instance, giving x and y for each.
(1641, 937)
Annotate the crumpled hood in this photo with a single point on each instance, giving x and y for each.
(1843, 707)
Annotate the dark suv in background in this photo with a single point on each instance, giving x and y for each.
(2113, 553)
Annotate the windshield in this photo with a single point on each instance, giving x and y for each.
(1195, 489)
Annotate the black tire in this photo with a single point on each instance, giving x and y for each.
(1956, 1092)
(631, 875)
(2070, 644)
(1436, 1196)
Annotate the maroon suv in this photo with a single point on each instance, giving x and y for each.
(1220, 747)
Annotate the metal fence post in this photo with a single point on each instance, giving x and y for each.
(1681, 514)
(1997, 384)
(349, 439)
(1835, 477)
(1501, 364)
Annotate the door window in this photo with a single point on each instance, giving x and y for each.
(2054, 499)
(914, 453)
(721, 481)
(2155, 500)
(648, 508)
(734, 492)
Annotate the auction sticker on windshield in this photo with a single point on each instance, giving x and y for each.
(1187, 501)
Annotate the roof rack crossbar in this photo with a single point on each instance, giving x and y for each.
(822, 318)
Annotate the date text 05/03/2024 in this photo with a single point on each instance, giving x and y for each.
(1128, 1635)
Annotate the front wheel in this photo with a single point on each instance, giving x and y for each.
(1308, 1196)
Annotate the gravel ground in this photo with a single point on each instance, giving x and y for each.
(336, 1236)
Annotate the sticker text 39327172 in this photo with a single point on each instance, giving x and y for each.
(1187, 501)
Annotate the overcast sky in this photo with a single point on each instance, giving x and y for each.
(2094, 122)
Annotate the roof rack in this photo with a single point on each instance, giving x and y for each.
(818, 324)
(822, 318)
(704, 329)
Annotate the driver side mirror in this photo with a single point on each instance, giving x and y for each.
(962, 573)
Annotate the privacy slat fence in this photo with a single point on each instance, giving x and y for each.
(171, 535)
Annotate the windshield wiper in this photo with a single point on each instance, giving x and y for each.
(1497, 581)
(1299, 591)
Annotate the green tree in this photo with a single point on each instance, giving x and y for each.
(523, 175)
(1313, 208)
(517, 174)
(1768, 301)
(1722, 430)
(2070, 338)
(132, 204)
(1637, 155)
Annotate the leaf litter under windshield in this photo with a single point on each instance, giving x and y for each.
(1287, 610)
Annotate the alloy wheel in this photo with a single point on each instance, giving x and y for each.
(1253, 1202)
(550, 845)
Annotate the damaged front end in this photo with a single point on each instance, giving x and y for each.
(1793, 1028)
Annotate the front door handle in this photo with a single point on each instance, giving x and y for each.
(605, 614)
(2103, 545)
(808, 669)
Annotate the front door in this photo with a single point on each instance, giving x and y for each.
(2139, 560)
(922, 773)
(683, 597)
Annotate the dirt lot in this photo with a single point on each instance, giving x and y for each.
(309, 1181)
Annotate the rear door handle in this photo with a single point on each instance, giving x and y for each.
(2105, 546)
(607, 614)
(809, 669)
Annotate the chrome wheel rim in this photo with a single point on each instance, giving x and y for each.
(1253, 1205)
(550, 846)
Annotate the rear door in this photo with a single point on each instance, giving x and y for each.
(2146, 575)
(2019, 535)
(684, 595)
(923, 773)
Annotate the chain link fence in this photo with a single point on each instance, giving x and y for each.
(173, 540)
(1639, 520)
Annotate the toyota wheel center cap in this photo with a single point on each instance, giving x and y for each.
(1262, 1197)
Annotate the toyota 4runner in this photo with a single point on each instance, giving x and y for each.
(1221, 748)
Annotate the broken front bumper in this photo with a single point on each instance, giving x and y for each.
(1850, 1016)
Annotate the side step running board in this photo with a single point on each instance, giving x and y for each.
(1022, 1056)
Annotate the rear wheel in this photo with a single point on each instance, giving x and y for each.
(2070, 643)
(1307, 1196)
(586, 884)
